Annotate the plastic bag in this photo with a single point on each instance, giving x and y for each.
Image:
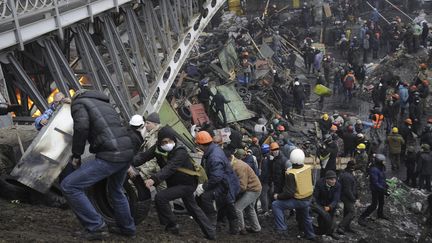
(322, 90)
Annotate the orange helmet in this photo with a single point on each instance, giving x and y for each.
(423, 66)
(203, 137)
(333, 128)
(274, 146)
(408, 121)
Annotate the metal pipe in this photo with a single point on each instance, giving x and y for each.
(375, 9)
(398, 9)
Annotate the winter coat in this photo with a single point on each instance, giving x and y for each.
(404, 95)
(348, 187)
(327, 196)
(221, 177)
(424, 163)
(415, 112)
(349, 81)
(219, 101)
(266, 175)
(248, 179)
(204, 94)
(278, 171)
(299, 92)
(350, 141)
(45, 116)
(136, 138)
(249, 160)
(426, 137)
(407, 134)
(96, 121)
(325, 125)
(330, 150)
(395, 142)
(424, 91)
(377, 179)
(169, 162)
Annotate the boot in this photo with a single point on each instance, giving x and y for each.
(233, 227)
(213, 220)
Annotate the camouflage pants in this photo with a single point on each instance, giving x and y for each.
(150, 168)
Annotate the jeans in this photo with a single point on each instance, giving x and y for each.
(75, 184)
(395, 161)
(348, 215)
(425, 182)
(265, 197)
(185, 192)
(247, 203)
(377, 200)
(206, 203)
(302, 210)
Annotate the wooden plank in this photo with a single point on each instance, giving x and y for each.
(327, 10)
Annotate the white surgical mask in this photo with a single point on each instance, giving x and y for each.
(271, 157)
(168, 147)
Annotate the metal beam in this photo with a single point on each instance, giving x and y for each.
(55, 69)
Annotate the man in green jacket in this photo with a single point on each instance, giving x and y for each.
(395, 142)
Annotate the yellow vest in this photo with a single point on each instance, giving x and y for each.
(303, 179)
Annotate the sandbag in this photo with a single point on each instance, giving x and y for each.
(322, 90)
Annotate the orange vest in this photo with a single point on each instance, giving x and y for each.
(377, 120)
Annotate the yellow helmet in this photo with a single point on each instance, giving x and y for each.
(361, 146)
(395, 130)
(325, 116)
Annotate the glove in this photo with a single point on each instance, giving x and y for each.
(199, 190)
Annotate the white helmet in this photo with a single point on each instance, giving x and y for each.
(136, 120)
(297, 156)
(296, 83)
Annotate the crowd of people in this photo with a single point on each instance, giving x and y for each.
(262, 172)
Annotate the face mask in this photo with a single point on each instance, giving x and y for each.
(275, 153)
(168, 147)
(271, 157)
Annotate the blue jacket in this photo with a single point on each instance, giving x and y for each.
(221, 177)
(404, 95)
(251, 162)
(45, 116)
(266, 171)
(377, 179)
(327, 196)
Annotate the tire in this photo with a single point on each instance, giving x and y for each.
(11, 189)
(185, 113)
(138, 195)
(52, 198)
(327, 224)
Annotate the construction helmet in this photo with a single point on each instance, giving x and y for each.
(361, 146)
(297, 156)
(136, 121)
(360, 135)
(203, 137)
(265, 148)
(395, 130)
(333, 128)
(325, 116)
(281, 128)
(408, 121)
(274, 146)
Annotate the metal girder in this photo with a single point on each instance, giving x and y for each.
(167, 75)
(29, 87)
(122, 104)
(67, 71)
(55, 69)
(53, 17)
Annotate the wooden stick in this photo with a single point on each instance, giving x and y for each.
(394, 6)
(378, 12)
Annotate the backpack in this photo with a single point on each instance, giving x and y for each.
(198, 171)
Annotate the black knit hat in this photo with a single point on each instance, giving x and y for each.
(166, 132)
(153, 117)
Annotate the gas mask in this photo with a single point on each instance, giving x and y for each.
(168, 147)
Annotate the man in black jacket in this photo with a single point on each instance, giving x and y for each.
(181, 184)
(96, 121)
(219, 102)
(327, 195)
(348, 197)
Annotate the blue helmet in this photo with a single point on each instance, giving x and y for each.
(265, 148)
